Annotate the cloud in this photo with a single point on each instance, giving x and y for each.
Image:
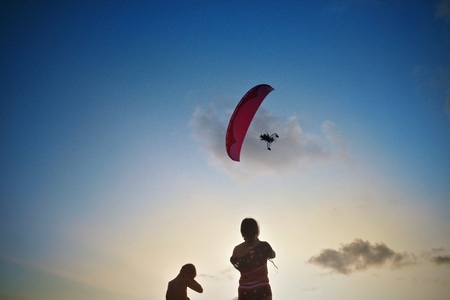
(360, 255)
(294, 150)
(439, 257)
(223, 275)
(443, 10)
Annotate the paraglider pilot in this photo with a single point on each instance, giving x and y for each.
(268, 138)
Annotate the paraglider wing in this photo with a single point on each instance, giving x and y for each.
(242, 117)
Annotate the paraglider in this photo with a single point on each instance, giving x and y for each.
(241, 119)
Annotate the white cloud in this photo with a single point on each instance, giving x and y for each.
(360, 255)
(294, 150)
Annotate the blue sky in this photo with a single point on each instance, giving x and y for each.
(114, 167)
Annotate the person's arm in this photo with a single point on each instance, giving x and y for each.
(233, 257)
(271, 253)
(235, 262)
(238, 252)
(194, 285)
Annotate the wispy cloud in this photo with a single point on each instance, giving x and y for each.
(438, 256)
(441, 259)
(294, 150)
(224, 274)
(360, 255)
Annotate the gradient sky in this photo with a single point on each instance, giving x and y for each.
(114, 170)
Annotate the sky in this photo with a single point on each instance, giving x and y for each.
(114, 170)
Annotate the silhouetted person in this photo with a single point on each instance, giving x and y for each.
(250, 258)
(177, 288)
(269, 139)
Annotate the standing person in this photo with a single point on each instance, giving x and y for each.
(177, 288)
(250, 258)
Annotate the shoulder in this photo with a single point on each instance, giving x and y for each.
(268, 250)
(265, 246)
(179, 280)
(240, 250)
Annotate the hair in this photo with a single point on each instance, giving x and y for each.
(188, 270)
(249, 229)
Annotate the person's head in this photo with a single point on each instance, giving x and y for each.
(249, 229)
(188, 271)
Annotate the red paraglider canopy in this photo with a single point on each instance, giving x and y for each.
(242, 117)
